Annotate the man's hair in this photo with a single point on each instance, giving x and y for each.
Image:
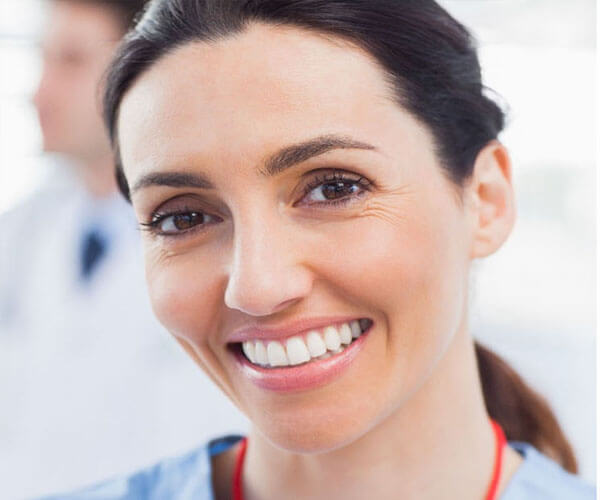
(126, 11)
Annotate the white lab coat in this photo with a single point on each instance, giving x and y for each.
(91, 384)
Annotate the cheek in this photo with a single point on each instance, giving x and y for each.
(184, 294)
(412, 271)
(390, 264)
(422, 285)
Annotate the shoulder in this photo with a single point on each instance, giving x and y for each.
(540, 478)
(185, 477)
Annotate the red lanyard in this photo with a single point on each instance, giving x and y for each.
(236, 490)
(500, 442)
(492, 491)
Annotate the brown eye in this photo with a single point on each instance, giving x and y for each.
(180, 222)
(335, 187)
(335, 190)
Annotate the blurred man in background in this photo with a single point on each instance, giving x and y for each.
(90, 383)
(77, 47)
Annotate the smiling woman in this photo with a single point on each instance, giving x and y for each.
(315, 179)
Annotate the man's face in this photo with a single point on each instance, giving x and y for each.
(77, 45)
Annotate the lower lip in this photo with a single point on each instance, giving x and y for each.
(301, 377)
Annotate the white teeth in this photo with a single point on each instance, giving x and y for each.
(315, 343)
(332, 338)
(355, 327)
(260, 353)
(248, 348)
(345, 333)
(297, 352)
(301, 349)
(276, 354)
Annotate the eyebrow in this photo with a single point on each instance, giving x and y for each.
(276, 163)
(172, 179)
(303, 151)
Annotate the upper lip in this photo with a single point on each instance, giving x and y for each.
(286, 330)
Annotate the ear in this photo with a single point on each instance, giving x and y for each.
(491, 201)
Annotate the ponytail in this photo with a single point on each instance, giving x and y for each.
(523, 413)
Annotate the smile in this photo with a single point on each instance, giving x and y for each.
(300, 349)
(303, 361)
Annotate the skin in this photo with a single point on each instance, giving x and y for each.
(408, 413)
(77, 45)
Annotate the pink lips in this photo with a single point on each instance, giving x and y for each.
(286, 331)
(301, 377)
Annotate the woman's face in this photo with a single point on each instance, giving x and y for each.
(285, 192)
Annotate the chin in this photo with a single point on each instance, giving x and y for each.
(52, 145)
(308, 439)
(319, 428)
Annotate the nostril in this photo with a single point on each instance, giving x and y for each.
(285, 304)
(263, 300)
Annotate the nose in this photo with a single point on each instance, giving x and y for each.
(267, 272)
(36, 98)
(41, 93)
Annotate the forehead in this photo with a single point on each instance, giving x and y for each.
(76, 22)
(237, 97)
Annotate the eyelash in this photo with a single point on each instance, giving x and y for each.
(158, 218)
(319, 180)
(337, 176)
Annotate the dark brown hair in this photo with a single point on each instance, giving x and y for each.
(430, 60)
(523, 413)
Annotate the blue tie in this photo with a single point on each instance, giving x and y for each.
(93, 249)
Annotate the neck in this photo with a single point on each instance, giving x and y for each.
(413, 454)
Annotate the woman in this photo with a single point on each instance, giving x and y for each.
(314, 179)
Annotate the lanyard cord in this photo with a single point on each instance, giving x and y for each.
(500, 443)
(492, 491)
(236, 490)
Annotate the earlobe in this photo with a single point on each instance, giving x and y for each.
(493, 204)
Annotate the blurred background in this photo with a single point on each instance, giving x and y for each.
(64, 423)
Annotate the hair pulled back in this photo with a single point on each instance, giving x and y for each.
(429, 59)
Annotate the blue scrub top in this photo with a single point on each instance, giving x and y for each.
(188, 477)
